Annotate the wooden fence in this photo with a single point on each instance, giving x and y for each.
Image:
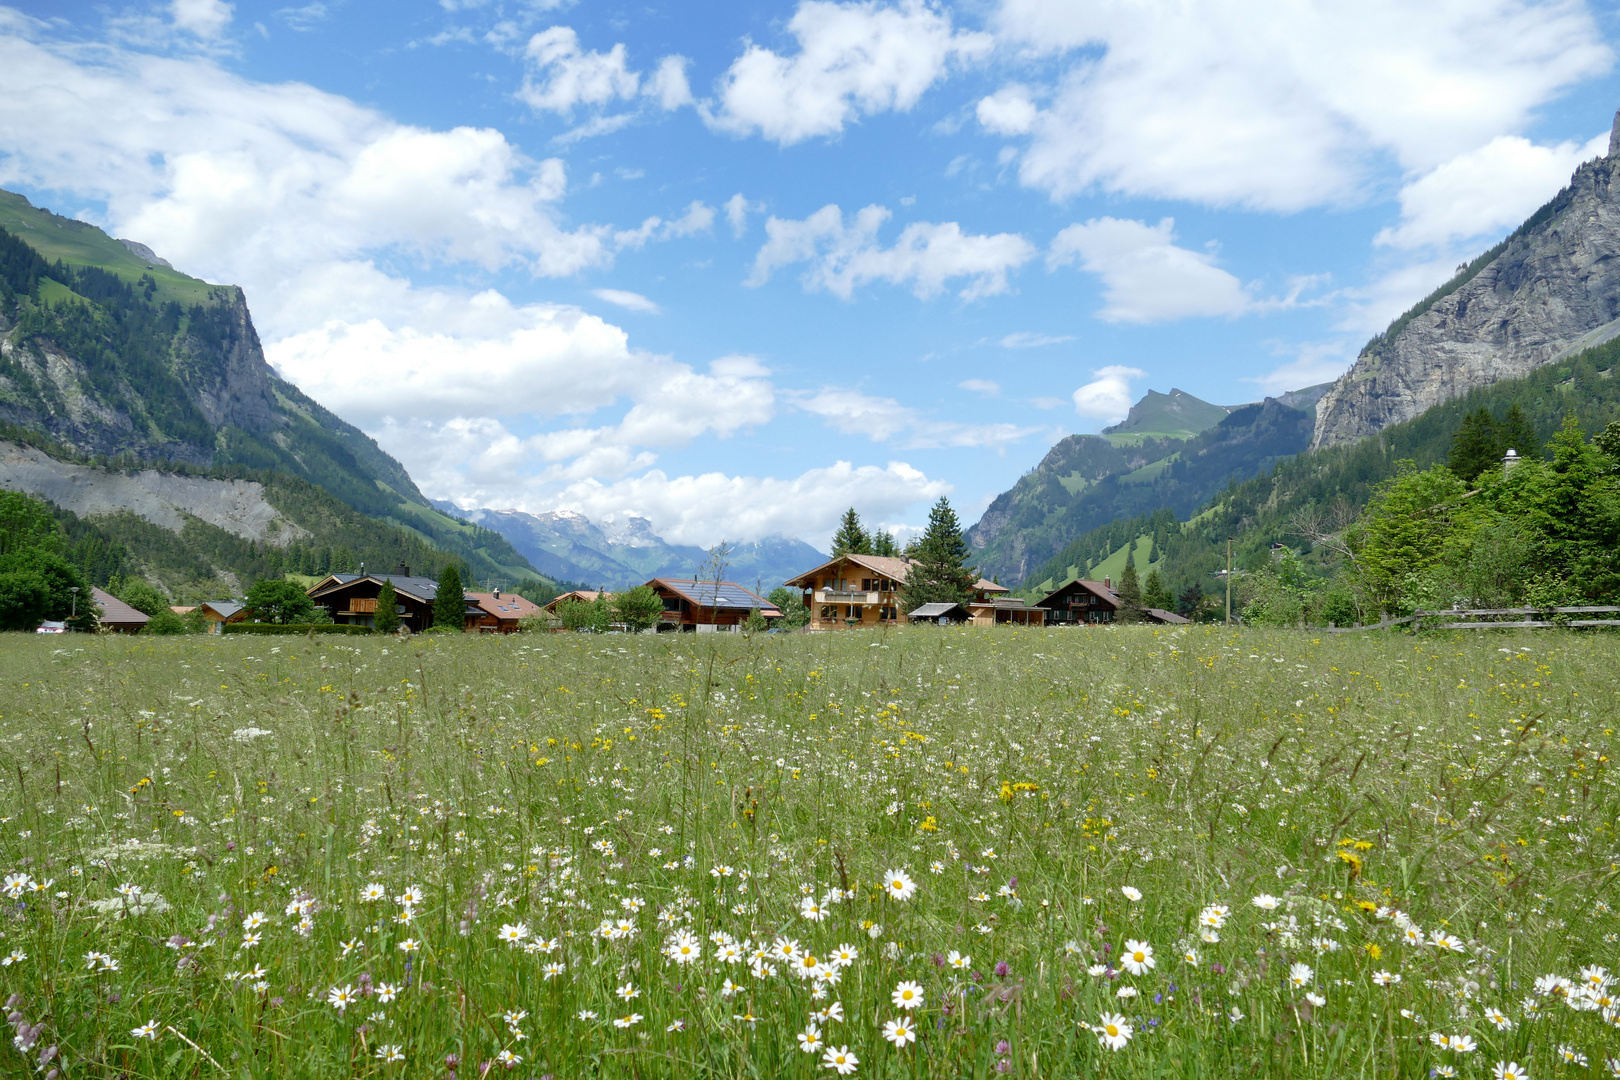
(1494, 619)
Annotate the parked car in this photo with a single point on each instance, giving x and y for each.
(52, 628)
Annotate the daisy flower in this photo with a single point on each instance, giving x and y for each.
(1385, 978)
(552, 970)
(1571, 1056)
(1462, 1044)
(899, 1032)
(254, 921)
(1131, 894)
(899, 886)
(627, 1021)
(1300, 974)
(409, 945)
(844, 955)
(513, 933)
(684, 948)
(374, 891)
(810, 909)
(907, 995)
(340, 997)
(1137, 957)
(1499, 1019)
(509, 1059)
(1265, 902)
(843, 1062)
(390, 1053)
(958, 961)
(1112, 1031)
(1509, 1070)
(835, 1011)
(387, 992)
(147, 1030)
(628, 991)
(16, 956)
(1316, 999)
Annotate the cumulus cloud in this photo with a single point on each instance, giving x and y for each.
(205, 18)
(1485, 190)
(631, 301)
(853, 60)
(1208, 103)
(1009, 111)
(737, 210)
(699, 218)
(1146, 277)
(1107, 397)
(563, 76)
(844, 257)
(880, 419)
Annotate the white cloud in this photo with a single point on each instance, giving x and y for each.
(1025, 339)
(632, 301)
(697, 219)
(1009, 111)
(1485, 190)
(925, 257)
(667, 84)
(1208, 102)
(1313, 363)
(737, 210)
(205, 18)
(853, 60)
(305, 18)
(980, 386)
(1146, 277)
(563, 75)
(1107, 397)
(880, 419)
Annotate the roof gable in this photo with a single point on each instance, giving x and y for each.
(115, 612)
(727, 596)
(895, 569)
(1095, 588)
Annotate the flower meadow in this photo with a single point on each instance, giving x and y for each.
(1130, 852)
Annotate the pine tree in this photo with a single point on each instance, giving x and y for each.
(386, 620)
(851, 539)
(450, 602)
(1154, 593)
(1517, 433)
(1476, 447)
(1131, 608)
(938, 573)
(883, 543)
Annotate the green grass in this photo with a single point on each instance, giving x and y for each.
(1114, 565)
(1025, 780)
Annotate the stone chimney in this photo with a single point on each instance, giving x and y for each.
(1108, 583)
(402, 570)
(1614, 137)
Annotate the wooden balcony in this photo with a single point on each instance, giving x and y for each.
(844, 596)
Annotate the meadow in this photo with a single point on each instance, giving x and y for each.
(1132, 852)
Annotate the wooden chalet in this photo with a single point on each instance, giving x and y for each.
(216, 614)
(115, 616)
(941, 613)
(1091, 603)
(702, 606)
(586, 595)
(863, 590)
(497, 614)
(351, 599)
(1005, 611)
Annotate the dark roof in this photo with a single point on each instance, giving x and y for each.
(114, 612)
(1161, 615)
(728, 595)
(417, 588)
(1001, 602)
(935, 610)
(223, 608)
(1096, 588)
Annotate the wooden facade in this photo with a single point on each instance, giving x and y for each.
(498, 613)
(1092, 603)
(704, 607)
(1010, 611)
(853, 591)
(352, 598)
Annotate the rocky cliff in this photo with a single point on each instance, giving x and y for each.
(1550, 289)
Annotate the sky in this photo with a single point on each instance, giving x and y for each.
(734, 267)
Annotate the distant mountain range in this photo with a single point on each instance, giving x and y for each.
(570, 547)
(1173, 451)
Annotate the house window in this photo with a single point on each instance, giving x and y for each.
(829, 611)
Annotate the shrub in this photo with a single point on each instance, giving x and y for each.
(295, 628)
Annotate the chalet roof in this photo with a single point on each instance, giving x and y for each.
(1161, 615)
(1015, 603)
(420, 589)
(223, 608)
(894, 569)
(728, 595)
(935, 610)
(587, 595)
(505, 606)
(1096, 588)
(114, 612)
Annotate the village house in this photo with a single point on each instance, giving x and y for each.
(1005, 611)
(351, 599)
(1091, 603)
(117, 617)
(587, 596)
(704, 607)
(215, 614)
(497, 613)
(864, 590)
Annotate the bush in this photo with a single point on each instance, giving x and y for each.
(278, 601)
(295, 628)
(165, 622)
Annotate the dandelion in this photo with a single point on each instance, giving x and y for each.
(627, 1021)
(390, 1053)
(843, 1062)
(1300, 975)
(341, 997)
(1131, 894)
(1265, 902)
(1112, 1031)
(1137, 957)
(1509, 1070)
(900, 1033)
(907, 995)
(810, 1038)
(147, 1030)
(899, 886)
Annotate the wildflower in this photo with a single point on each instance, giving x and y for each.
(843, 1062)
(675, 1025)
(810, 1038)
(409, 945)
(1190, 956)
(899, 1032)
(390, 1053)
(16, 956)
(387, 992)
(1097, 970)
(810, 909)
(1571, 1056)
(352, 945)
(1214, 916)
(513, 933)
(628, 991)
(958, 961)
(1446, 942)
(784, 948)
(899, 886)
(1445, 1071)
(684, 948)
(1300, 974)
(552, 970)
(627, 1021)
(1386, 978)
(371, 892)
(1137, 957)
(907, 995)
(1235, 1015)
(1125, 992)
(1112, 1031)
(835, 1011)
(1131, 894)
(1316, 999)
(1208, 936)
(729, 989)
(1072, 948)
(1462, 1044)
(410, 897)
(586, 1015)
(340, 997)
(16, 884)
(254, 921)
(843, 956)
(1499, 1019)
(1509, 1070)
(509, 1059)
(808, 966)
(250, 940)
(1265, 902)
(147, 1030)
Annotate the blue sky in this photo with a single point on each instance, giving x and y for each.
(734, 267)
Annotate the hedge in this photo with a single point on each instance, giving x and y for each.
(295, 628)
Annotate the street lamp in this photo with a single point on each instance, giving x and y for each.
(74, 589)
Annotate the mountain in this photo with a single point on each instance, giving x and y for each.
(114, 360)
(1548, 291)
(1088, 481)
(569, 546)
(1176, 415)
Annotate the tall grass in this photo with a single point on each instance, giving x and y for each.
(604, 800)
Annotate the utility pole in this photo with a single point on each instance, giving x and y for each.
(1228, 581)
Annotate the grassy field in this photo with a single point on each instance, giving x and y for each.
(936, 853)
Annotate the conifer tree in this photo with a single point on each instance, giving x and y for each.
(450, 602)
(1517, 433)
(386, 620)
(938, 573)
(1154, 593)
(1476, 447)
(851, 539)
(883, 543)
(1131, 608)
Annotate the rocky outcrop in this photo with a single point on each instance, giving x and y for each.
(1550, 289)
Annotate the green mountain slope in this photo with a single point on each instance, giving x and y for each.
(108, 353)
(1176, 415)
